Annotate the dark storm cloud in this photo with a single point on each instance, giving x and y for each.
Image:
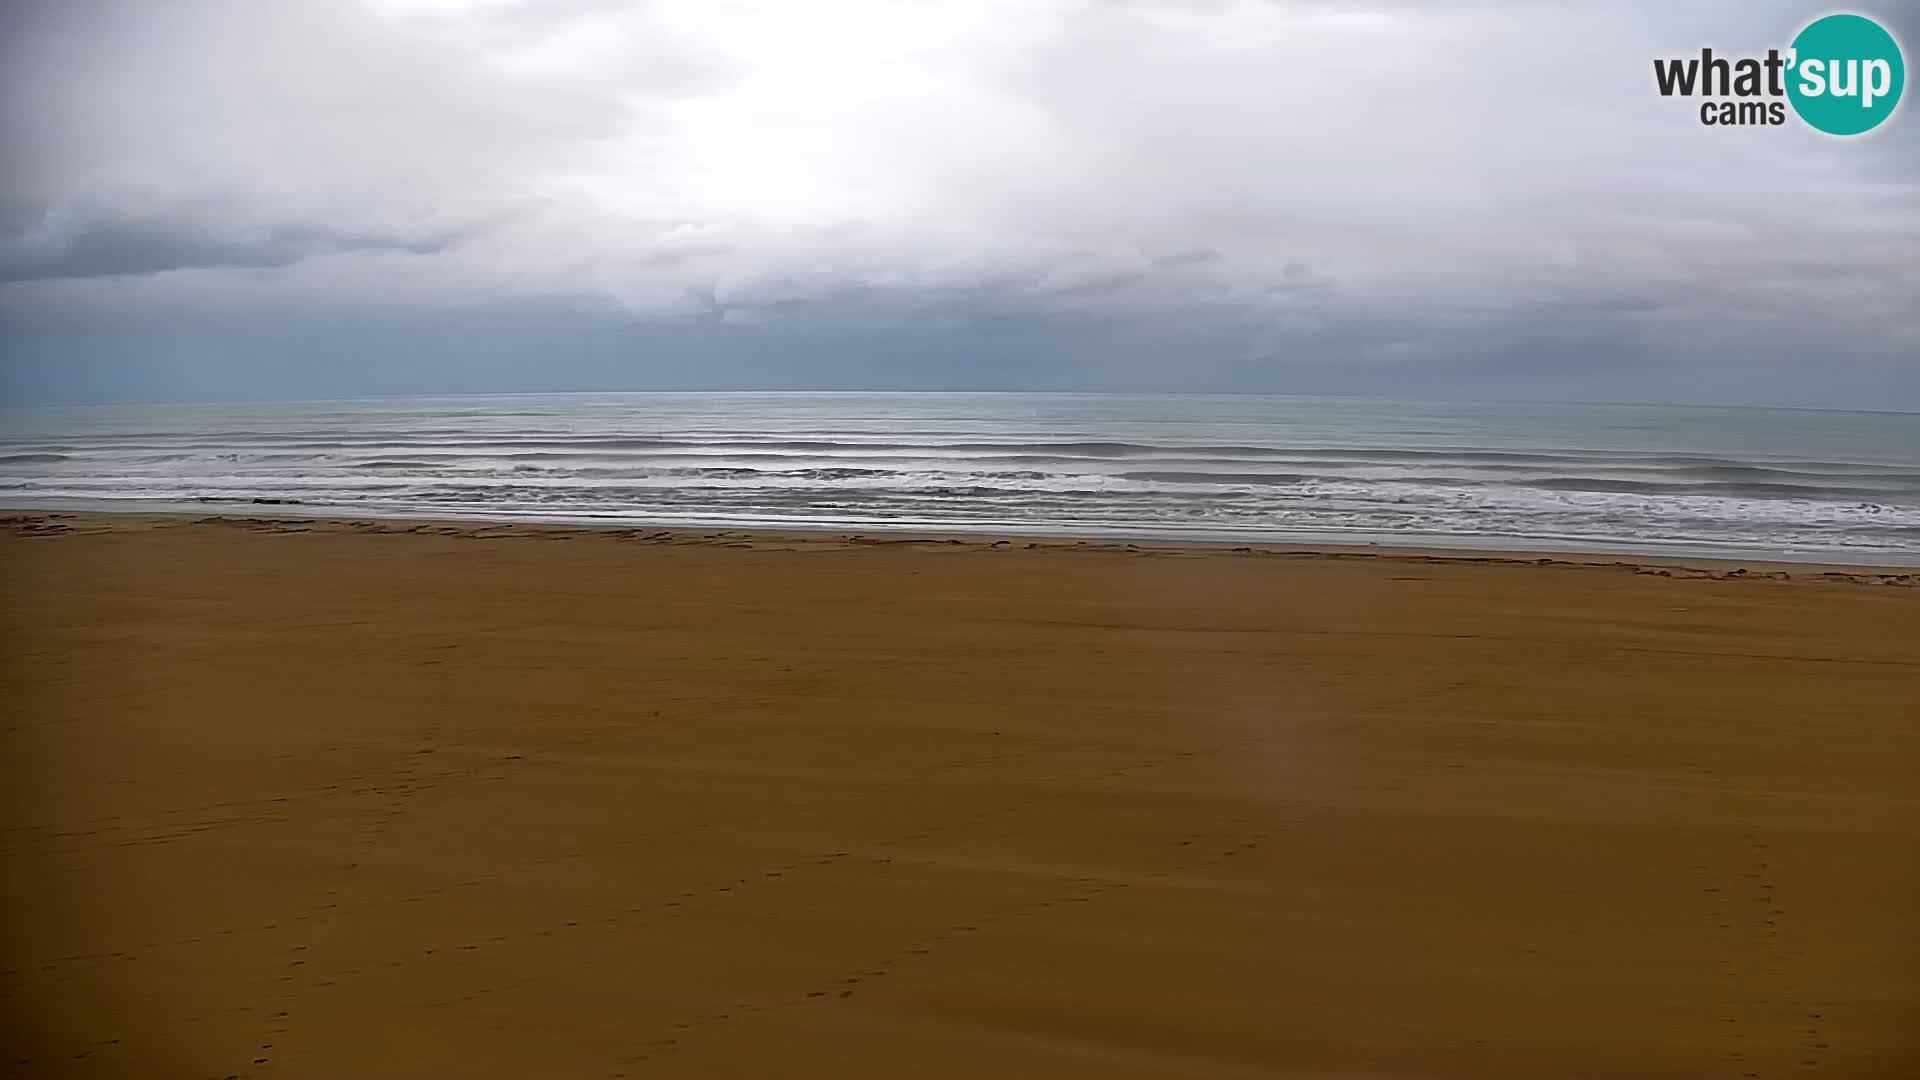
(36, 247)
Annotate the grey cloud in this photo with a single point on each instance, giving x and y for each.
(1377, 193)
(39, 247)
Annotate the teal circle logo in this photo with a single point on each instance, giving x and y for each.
(1846, 74)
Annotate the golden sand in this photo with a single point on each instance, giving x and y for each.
(333, 800)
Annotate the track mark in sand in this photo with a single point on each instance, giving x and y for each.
(877, 850)
(845, 984)
(1759, 896)
(409, 778)
(392, 798)
(91, 828)
(1745, 913)
(662, 909)
(157, 834)
(279, 1028)
(1725, 891)
(1201, 850)
(848, 983)
(394, 791)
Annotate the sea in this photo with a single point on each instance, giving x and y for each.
(1780, 483)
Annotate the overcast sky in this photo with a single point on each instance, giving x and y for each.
(209, 199)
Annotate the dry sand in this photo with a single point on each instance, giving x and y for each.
(330, 800)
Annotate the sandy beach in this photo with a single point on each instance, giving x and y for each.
(294, 798)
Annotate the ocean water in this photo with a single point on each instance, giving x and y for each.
(1793, 483)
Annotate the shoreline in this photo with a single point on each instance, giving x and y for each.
(1624, 481)
(280, 516)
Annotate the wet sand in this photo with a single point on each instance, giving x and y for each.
(293, 798)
